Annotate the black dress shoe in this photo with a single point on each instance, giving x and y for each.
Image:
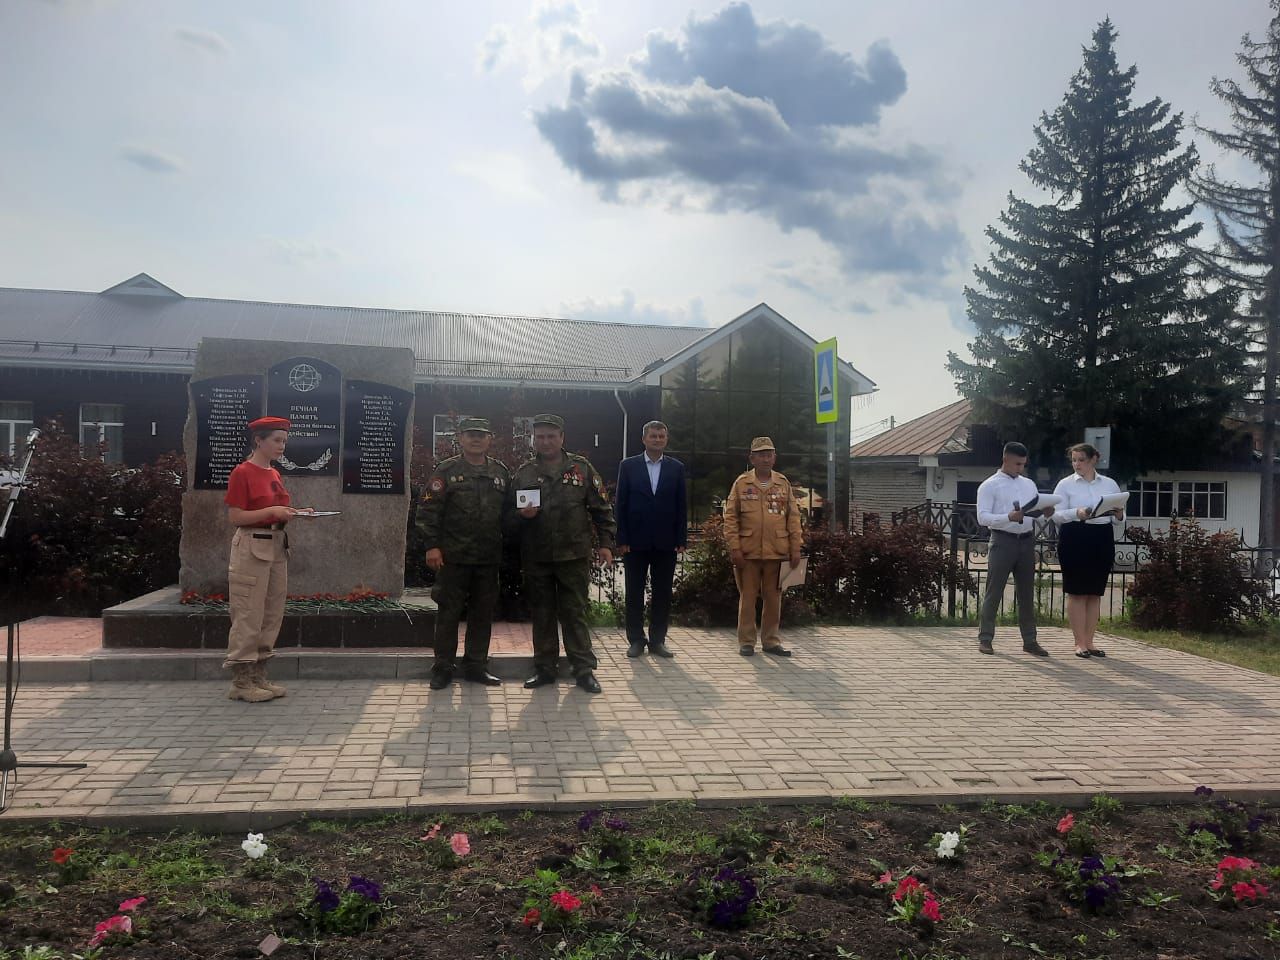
(482, 676)
(1035, 650)
(777, 651)
(539, 679)
(660, 650)
(636, 649)
(1097, 652)
(440, 679)
(747, 651)
(984, 646)
(589, 683)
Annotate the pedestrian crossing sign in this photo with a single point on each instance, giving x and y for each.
(825, 382)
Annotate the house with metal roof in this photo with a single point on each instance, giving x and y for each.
(115, 365)
(942, 457)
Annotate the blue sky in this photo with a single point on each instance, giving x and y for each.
(661, 162)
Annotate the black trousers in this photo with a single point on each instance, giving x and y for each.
(659, 566)
(473, 587)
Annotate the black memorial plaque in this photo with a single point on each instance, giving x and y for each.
(224, 406)
(373, 438)
(308, 392)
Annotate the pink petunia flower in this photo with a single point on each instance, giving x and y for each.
(1066, 823)
(929, 909)
(116, 924)
(61, 855)
(1236, 863)
(131, 904)
(596, 891)
(432, 833)
(566, 901)
(886, 878)
(533, 917)
(459, 844)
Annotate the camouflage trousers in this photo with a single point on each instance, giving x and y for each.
(472, 587)
(557, 594)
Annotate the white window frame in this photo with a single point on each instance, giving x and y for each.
(1175, 491)
(444, 427)
(109, 455)
(16, 428)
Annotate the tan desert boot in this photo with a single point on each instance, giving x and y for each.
(259, 674)
(243, 687)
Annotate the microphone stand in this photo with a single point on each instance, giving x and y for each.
(9, 762)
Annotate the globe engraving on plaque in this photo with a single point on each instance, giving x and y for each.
(304, 378)
(306, 390)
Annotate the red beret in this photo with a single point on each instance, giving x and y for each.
(269, 423)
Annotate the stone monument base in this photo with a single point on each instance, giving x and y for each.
(160, 619)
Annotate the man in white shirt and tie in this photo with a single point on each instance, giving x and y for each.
(1012, 550)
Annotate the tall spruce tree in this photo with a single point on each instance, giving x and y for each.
(1247, 255)
(1091, 310)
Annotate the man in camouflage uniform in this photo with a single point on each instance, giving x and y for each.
(556, 549)
(461, 521)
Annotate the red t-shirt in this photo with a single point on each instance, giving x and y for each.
(251, 487)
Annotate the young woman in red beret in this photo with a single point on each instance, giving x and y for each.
(258, 506)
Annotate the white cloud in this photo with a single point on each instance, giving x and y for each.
(625, 308)
(204, 40)
(504, 173)
(553, 40)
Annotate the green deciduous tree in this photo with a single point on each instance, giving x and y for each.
(1247, 255)
(1092, 310)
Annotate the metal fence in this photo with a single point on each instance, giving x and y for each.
(969, 543)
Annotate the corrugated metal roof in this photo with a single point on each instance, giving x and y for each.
(74, 327)
(940, 431)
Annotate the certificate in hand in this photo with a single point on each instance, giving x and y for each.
(1036, 505)
(528, 498)
(789, 576)
(318, 513)
(1112, 501)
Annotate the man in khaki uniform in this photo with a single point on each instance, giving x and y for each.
(761, 528)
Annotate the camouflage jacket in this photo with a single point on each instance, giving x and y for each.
(574, 511)
(461, 512)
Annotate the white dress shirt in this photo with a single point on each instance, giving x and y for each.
(996, 497)
(1078, 492)
(655, 471)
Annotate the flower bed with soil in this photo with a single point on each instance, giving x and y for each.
(852, 880)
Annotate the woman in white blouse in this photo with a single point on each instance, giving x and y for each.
(1086, 546)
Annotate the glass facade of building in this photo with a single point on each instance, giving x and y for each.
(758, 382)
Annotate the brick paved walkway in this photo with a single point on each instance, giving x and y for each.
(888, 712)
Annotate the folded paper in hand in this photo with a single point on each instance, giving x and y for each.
(1112, 501)
(1035, 507)
(789, 576)
(529, 498)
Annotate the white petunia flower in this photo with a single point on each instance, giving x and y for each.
(948, 844)
(253, 846)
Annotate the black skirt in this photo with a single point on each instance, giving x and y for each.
(1086, 552)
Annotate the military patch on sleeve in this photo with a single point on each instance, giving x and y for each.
(437, 484)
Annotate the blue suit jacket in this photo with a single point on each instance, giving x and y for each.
(649, 521)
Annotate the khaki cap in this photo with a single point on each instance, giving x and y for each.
(550, 419)
(477, 424)
(761, 443)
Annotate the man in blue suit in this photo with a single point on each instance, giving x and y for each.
(652, 529)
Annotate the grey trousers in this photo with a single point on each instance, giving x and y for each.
(1017, 555)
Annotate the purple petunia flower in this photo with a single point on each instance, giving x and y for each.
(613, 823)
(1203, 791)
(366, 888)
(588, 820)
(326, 898)
(1090, 865)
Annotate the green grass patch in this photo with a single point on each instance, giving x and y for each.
(1255, 650)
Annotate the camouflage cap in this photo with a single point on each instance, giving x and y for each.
(550, 419)
(478, 424)
(761, 443)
